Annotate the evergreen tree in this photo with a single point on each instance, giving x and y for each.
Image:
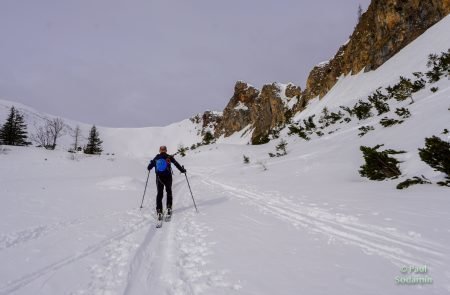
(379, 165)
(281, 149)
(182, 150)
(94, 145)
(378, 100)
(208, 137)
(436, 153)
(362, 110)
(14, 131)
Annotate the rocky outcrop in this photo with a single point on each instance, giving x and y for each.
(384, 29)
(263, 110)
(237, 114)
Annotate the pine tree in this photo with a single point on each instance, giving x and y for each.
(379, 165)
(94, 145)
(208, 137)
(281, 149)
(360, 12)
(14, 131)
(436, 153)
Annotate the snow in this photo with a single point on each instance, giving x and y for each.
(288, 102)
(241, 106)
(71, 224)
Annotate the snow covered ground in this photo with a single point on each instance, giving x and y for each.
(309, 224)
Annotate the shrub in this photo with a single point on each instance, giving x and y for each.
(299, 130)
(309, 123)
(348, 110)
(436, 154)
(262, 164)
(402, 90)
(182, 150)
(281, 149)
(387, 122)
(208, 138)
(439, 66)
(364, 130)
(420, 83)
(434, 89)
(379, 165)
(362, 110)
(413, 181)
(403, 112)
(378, 101)
(328, 118)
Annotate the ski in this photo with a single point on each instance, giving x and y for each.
(159, 221)
(168, 215)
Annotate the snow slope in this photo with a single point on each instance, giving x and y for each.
(307, 224)
(131, 142)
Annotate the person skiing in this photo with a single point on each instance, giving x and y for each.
(162, 164)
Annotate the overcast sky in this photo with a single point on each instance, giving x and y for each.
(134, 63)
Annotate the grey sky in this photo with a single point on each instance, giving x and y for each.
(145, 63)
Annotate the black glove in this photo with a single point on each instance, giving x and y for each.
(183, 170)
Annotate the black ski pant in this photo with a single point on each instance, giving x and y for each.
(161, 182)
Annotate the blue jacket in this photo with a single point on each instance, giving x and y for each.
(169, 159)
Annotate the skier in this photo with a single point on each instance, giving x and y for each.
(162, 163)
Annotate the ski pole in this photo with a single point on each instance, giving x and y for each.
(191, 192)
(145, 189)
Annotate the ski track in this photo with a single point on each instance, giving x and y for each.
(110, 243)
(399, 248)
(174, 259)
(17, 238)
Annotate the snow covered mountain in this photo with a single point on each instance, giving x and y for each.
(132, 142)
(306, 222)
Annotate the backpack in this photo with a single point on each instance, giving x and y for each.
(162, 165)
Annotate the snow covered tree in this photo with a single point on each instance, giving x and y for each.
(14, 131)
(94, 145)
(436, 153)
(379, 165)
